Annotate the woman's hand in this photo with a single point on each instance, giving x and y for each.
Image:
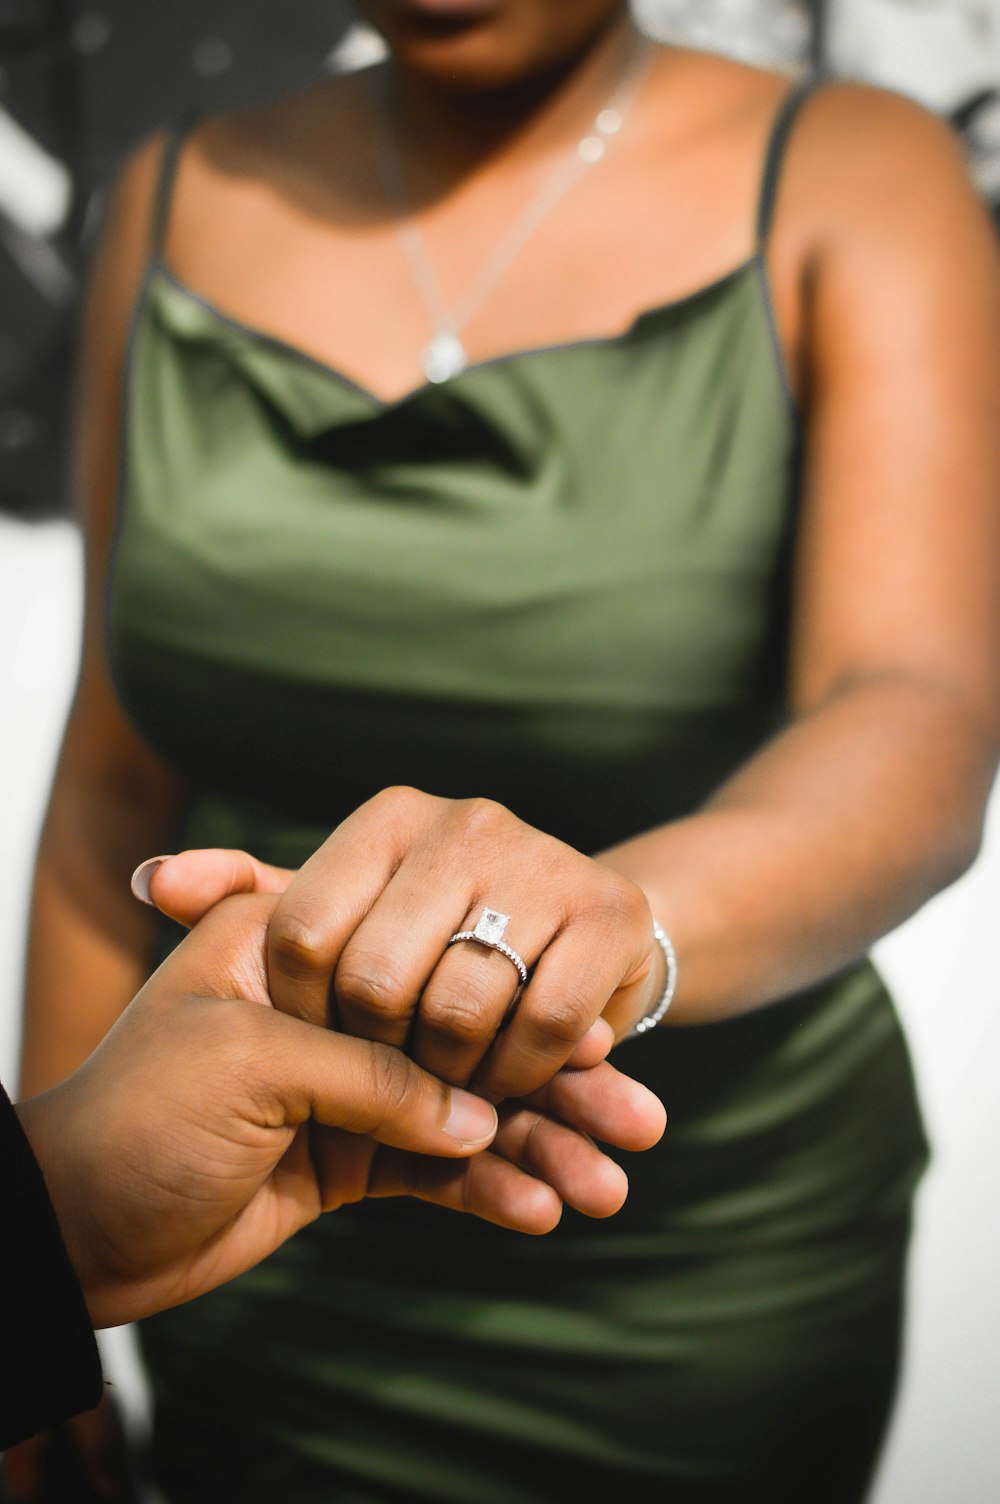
(360, 937)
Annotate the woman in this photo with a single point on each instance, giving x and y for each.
(600, 442)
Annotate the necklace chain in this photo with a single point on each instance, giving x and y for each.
(444, 356)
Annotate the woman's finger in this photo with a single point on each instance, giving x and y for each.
(594, 1047)
(329, 898)
(186, 886)
(362, 932)
(390, 966)
(350, 1168)
(570, 988)
(473, 988)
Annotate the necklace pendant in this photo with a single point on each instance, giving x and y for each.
(444, 357)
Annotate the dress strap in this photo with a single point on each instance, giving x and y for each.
(179, 131)
(787, 115)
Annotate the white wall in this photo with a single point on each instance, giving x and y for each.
(944, 965)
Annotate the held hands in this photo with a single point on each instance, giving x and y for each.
(330, 957)
(208, 1127)
(360, 938)
(179, 1154)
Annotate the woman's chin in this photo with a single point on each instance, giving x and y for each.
(471, 45)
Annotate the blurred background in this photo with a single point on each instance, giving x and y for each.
(80, 83)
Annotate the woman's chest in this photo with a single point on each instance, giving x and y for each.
(604, 523)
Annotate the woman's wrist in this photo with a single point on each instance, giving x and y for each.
(668, 986)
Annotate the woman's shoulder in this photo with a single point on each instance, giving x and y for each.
(858, 163)
(316, 130)
(872, 175)
(861, 137)
(859, 125)
(224, 174)
(865, 201)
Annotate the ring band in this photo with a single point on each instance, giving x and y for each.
(489, 931)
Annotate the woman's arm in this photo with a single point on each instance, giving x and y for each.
(111, 799)
(872, 799)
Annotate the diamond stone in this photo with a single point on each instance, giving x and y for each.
(491, 926)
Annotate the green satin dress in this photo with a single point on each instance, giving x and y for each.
(559, 580)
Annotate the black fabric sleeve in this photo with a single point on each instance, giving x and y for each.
(49, 1364)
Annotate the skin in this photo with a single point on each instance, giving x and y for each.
(178, 1154)
(208, 1127)
(883, 272)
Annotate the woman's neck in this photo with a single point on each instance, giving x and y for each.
(448, 135)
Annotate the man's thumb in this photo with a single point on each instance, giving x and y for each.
(375, 1090)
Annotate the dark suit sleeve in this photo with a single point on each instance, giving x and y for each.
(49, 1363)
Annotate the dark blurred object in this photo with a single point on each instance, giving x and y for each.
(81, 1461)
(979, 123)
(79, 85)
(818, 12)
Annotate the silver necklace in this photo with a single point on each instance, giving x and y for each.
(444, 355)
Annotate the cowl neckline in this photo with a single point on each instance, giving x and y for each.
(314, 396)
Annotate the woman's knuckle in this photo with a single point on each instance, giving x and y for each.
(459, 1015)
(398, 798)
(634, 906)
(374, 984)
(567, 1017)
(481, 816)
(397, 812)
(615, 902)
(616, 893)
(296, 942)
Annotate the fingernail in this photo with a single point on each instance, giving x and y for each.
(143, 876)
(471, 1120)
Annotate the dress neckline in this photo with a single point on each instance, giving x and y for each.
(159, 268)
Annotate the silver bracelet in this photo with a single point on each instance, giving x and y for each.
(669, 986)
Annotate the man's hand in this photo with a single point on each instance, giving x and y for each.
(179, 1155)
(207, 1128)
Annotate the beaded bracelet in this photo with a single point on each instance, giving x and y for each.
(669, 986)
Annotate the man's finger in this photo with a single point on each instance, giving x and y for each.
(604, 1104)
(371, 1089)
(576, 1169)
(485, 1186)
